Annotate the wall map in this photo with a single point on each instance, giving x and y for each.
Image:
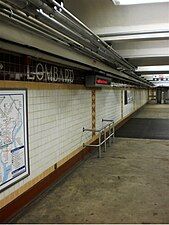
(13, 137)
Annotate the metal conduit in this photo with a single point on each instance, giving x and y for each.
(97, 38)
(31, 26)
(51, 21)
(67, 22)
(58, 38)
(75, 26)
(79, 36)
(75, 45)
(26, 23)
(39, 4)
(132, 74)
(44, 33)
(39, 26)
(103, 52)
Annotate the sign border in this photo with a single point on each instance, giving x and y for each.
(27, 134)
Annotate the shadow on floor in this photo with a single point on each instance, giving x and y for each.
(145, 128)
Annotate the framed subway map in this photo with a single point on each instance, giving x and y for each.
(14, 157)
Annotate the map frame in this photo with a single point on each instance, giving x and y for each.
(22, 92)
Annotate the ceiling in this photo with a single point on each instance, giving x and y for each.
(46, 27)
(136, 35)
(139, 33)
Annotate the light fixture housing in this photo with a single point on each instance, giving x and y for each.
(164, 68)
(133, 2)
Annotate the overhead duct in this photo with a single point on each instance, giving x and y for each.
(99, 47)
(67, 29)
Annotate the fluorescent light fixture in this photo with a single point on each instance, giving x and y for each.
(152, 68)
(132, 2)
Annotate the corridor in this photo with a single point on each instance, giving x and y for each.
(73, 74)
(129, 184)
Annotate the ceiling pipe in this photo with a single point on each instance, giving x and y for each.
(45, 34)
(74, 24)
(92, 44)
(28, 9)
(66, 21)
(58, 37)
(98, 49)
(26, 6)
(47, 20)
(30, 25)
(97, 38)
(13, 13)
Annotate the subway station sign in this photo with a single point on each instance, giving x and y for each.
(49, 73)
(20, 67)
(26, 68)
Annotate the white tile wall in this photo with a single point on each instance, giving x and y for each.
(140, 98)
(108, 105)
(56, 119)
(128, 108)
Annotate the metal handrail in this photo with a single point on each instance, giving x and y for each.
(103, 130)
(111, 121)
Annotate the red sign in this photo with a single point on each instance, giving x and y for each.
(101, 81)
